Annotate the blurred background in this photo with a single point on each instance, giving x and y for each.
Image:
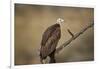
(32, 20)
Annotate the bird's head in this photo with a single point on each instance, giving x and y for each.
(60, 21)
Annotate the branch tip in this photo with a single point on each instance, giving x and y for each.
(70, 33)
(73, 37)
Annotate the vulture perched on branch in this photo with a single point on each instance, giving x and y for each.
(49, 41)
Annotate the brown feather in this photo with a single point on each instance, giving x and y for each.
(49, 40)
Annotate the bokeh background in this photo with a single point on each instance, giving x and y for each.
(32, 20)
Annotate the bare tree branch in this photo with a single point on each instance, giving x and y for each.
(70, 33)
(73, 37)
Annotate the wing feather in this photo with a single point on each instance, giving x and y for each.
(46, 35)
(51, 43)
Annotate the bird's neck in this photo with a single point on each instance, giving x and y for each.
(58, 23)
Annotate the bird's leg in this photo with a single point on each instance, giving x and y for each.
(44, 61)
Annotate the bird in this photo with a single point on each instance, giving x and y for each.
(50, 39)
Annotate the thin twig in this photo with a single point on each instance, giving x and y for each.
(73, 38)
(70, 33)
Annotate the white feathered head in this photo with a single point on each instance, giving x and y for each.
(60, 20)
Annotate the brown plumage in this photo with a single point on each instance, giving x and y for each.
(49, 42)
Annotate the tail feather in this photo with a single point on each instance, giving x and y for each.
(52, 60)
(52, 57)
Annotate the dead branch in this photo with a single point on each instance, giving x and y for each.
(70, 33)
(74, 36)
